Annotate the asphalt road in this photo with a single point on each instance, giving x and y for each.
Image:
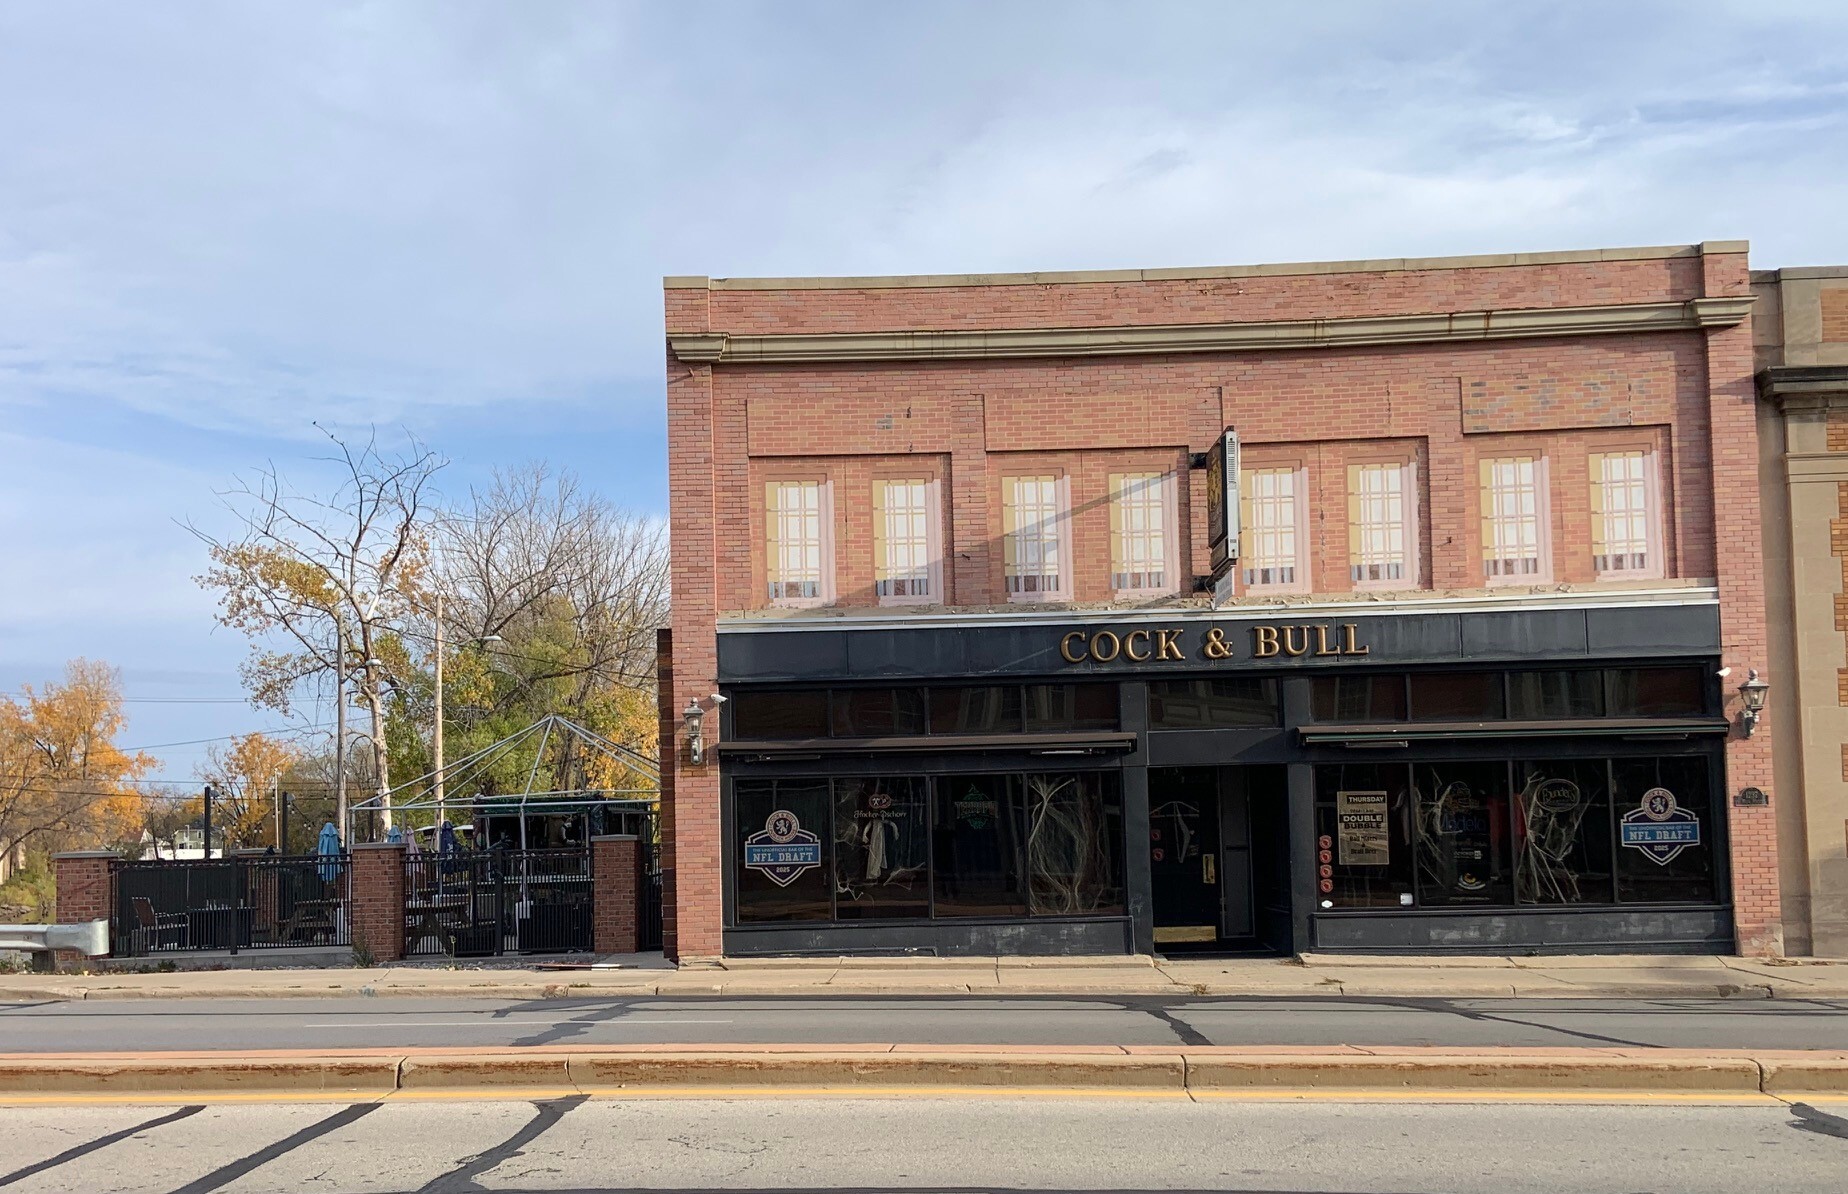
(909, 1146)
(179, 1024)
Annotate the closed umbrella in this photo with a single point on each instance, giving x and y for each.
(328, 847)
(448, 847)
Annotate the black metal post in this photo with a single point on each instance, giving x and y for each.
(207, 853)
(282, 825)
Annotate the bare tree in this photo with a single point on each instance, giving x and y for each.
(565, 588)
(333, 578)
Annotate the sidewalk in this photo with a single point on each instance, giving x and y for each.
(1314, 975)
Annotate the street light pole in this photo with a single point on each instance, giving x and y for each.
(340, 789)
(436, 733)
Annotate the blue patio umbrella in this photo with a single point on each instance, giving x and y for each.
(328, 846)
(448, 847)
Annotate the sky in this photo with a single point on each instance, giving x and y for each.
(224, 224)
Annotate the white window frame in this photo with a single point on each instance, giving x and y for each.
(824, 500)
(1653, 538)
(933, 541)
(1058, 528)
(1408, 528)
(1166, 506)
(1543, 519)
(1252, 530)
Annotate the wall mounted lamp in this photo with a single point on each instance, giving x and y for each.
(1752, 695)
(695, 720)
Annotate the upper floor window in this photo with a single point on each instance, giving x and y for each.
(1273, 519)
(905, 551)
(1141, 533)
(1514, 519)
(1033, 537)
(1381, 542)
(1625, 534)
(798, 563)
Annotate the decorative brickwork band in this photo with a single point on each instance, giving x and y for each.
(378, 901)
(615, 874)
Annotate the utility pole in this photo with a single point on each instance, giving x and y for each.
(340, 792)
(436, 731)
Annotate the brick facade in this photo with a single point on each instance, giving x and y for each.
(378, 900)
(615, 871)
(1684, 393)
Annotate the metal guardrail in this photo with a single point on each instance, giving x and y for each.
(90, 938)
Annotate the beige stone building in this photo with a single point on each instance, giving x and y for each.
(1801, 329)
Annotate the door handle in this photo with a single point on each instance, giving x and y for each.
(1208, 872)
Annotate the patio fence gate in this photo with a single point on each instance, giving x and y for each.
(485, 903)
(256, 902)
(648, 898)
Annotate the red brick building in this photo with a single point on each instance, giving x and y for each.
(1369, 605)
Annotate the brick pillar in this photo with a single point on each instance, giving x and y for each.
(377, 904)
(615, 879)
(1738, 532)
(86, 891)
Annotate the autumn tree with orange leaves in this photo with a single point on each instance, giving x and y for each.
(246, 776)
(64, 783)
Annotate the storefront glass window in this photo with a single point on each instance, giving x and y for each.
(992, 709)
(1665, 830)
(1658, 692)
(1363, 815)
(782, 842)
(1057, 708)
(1463, 834)
(1210, 704)
(1074, 831)
(786, 714)
(980, 858)
(878, 712)
(881, 847)
(1457, 696)
(1534, 696)
(1344, 699)
(1562, 832)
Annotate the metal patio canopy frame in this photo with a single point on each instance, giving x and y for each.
(529, 799)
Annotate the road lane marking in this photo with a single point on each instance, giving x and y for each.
(620, 1093)
(503, 1023)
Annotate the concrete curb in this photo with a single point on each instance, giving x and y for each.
(911, 1069)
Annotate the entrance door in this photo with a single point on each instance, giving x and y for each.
(1219, 858)
(1184, 855)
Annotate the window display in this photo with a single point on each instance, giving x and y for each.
(881, 848)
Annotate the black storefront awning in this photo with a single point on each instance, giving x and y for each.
(1405, 733)
(1097, 742)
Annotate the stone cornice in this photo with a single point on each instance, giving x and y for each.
(1805, 389)
(1283, 269)
(1164, 339)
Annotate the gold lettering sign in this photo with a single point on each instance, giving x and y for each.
(1166, 644)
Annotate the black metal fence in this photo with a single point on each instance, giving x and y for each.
(648, 897)
(484, 903)
(258, 902)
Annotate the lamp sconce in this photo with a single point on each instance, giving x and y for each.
(694, 718)
(1752, 696)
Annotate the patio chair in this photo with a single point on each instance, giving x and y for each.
(155, 930)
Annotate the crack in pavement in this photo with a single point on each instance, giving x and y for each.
(461, 1180)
